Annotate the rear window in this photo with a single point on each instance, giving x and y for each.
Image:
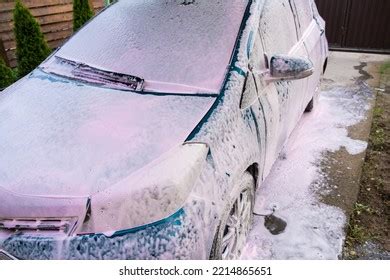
(173, 45)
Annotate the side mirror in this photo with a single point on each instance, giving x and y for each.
(284, 68)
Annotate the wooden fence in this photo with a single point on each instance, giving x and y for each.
(357, 24)
(54, 16)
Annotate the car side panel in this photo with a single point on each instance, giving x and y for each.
(310, 33)
(284, 99)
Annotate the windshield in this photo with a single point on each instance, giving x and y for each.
(172, 45)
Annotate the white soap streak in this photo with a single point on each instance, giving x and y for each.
(314, 229)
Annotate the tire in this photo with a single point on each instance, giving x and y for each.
(310, 106)
(236, 221)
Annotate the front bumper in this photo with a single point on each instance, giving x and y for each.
(176, 237)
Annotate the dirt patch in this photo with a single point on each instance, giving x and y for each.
(368, 229)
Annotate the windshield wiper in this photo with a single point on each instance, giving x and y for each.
(91, 74)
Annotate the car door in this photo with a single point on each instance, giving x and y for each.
(282, 101)
(259, 107)
(310, 33)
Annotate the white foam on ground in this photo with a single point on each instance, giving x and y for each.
(314, 230)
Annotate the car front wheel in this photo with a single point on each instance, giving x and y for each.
(236, 222)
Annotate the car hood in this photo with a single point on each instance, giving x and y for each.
(64, 139)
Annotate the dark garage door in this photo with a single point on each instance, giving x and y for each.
(357, 24)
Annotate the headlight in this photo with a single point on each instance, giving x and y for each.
(151, 194)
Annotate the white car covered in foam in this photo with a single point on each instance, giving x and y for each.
(146, 135)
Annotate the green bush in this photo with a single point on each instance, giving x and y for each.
(31, 47)
(7, 75)
(82, 12)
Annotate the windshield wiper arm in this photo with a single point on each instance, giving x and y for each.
(92, 74)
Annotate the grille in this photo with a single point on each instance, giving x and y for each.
(44, 226)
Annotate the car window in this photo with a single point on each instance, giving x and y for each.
(305, 13)
(277, 27)
(172, 46)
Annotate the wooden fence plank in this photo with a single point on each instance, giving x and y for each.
(54, 16)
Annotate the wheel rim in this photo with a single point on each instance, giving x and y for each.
(237, 226)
